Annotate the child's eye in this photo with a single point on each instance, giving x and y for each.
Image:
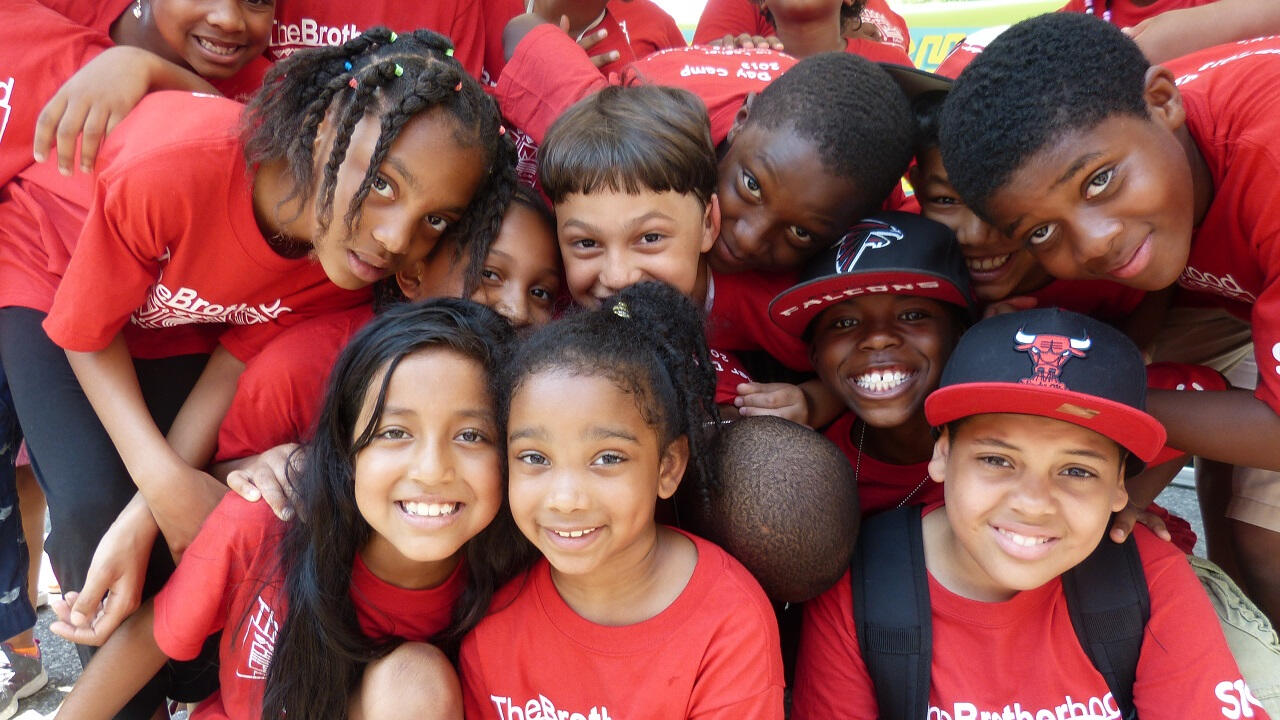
(382, 186)
(844, 323)
(608, 458)
(491, 274)
(751, 184)
(945, 200)
(1079, 472)
(392, 433)
(532, 457)
(995, 461)
(912, 315)
(1098, 183)
(437, 223)
(471, 435)
(542, 294)
(804, 236)
(584, 244)
(650, 238)
(1042, 234)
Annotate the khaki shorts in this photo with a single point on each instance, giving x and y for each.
(1249, 634)
(1255, 497)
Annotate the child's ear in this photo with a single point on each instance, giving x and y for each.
(675, 458)
(711, 223)
(915, 178)
(410, 281)
(941, 451)
(1121, 498)
(740, 118)
(1164, 102)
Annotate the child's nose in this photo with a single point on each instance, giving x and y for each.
(618, 272)
(227, 16)
(430, 465)
(565, 495)
(396, 235)
(513, 306)
(1096, 242)
(878, 336)
(749, 234)
(1032, 496)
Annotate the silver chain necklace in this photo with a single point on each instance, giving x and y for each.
(857, 467)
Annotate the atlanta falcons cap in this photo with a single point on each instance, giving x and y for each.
(889, 253)
(1055, 364)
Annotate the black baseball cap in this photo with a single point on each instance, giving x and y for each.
(1056, 364)
(889, 253)
(914, 81)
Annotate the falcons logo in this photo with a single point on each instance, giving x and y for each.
(874, 234)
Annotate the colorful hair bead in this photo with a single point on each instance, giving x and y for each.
(399, 70)
(458, 87)
(449, 52)
(393, 36)
(352, 82)
(347, 66)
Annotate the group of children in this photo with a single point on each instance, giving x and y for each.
(485, 324)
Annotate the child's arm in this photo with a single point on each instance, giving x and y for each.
(1180, 32)
(179, 496)
(809, 403)
(265, 477)
(98, 96)
(546, 72)
(1231, 426)
(118, 671)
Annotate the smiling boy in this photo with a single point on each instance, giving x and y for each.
(1154, 175)
(1041, 417)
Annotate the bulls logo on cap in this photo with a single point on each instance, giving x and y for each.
(1048, 354)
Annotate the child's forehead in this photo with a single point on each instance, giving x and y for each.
(1031, 433)
(622, 206)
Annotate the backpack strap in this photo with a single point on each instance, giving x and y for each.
(1109, 606)
(891, 612)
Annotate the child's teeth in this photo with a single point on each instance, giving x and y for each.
(987, 263)
(573, 533)
(429, 509)
(881, 380)
(216, 47)
(1024, 540)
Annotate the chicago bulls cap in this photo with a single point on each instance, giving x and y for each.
(1055, 364)
(889, 253)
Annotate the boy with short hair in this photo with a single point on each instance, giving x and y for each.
(632, 175)
(1041, 416)
(1146, 176)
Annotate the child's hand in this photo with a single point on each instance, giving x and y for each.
(1123, 522)
(784, 400)
(747, 41)
(94, 100)
(589, 41)
(113, 588)
(268, 478)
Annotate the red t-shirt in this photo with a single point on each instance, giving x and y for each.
(1125, 13)
(881, 485)
(739, 317)
(734, 17)
(1022, 659)
(729, 374)
(712, 653)
(230, 580)
(495, 16)
(319, 23)
(281, 391)
(172, 225)
(1233, 114)
(646, 27)
(1102, 299)
(549, 72)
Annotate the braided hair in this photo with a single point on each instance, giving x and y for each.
(394, 78)
(649, 341)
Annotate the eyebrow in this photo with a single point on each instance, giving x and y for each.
(1082, 452)
(1071, 171)
(633, 223)
(409, 178)
(604, 432)
(528, 432)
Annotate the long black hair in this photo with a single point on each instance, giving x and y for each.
(395, 77)
(320, 650)
(648, 340)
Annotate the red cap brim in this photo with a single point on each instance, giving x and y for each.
(1134, 430)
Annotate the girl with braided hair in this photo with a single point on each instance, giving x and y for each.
(218, 226)
(606, 412)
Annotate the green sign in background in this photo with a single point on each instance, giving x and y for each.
(937, 26)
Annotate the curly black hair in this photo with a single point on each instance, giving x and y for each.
(1038, 81)
(852, 111)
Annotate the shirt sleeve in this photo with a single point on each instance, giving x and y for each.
(194, 602)
(1183, 673)
(116, 259)
(831, 679)
(547, 73)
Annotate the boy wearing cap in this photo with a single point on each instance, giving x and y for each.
(1041, 416)
(880, 311)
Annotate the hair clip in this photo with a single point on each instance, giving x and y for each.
(399, 70)
(620, 309)
(458, 87)
(352, 82)
(502, 130)
(347, 66)
(449, 52)
(393, 36)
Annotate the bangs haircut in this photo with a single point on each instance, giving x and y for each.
(1039, 81)
(632, 140)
